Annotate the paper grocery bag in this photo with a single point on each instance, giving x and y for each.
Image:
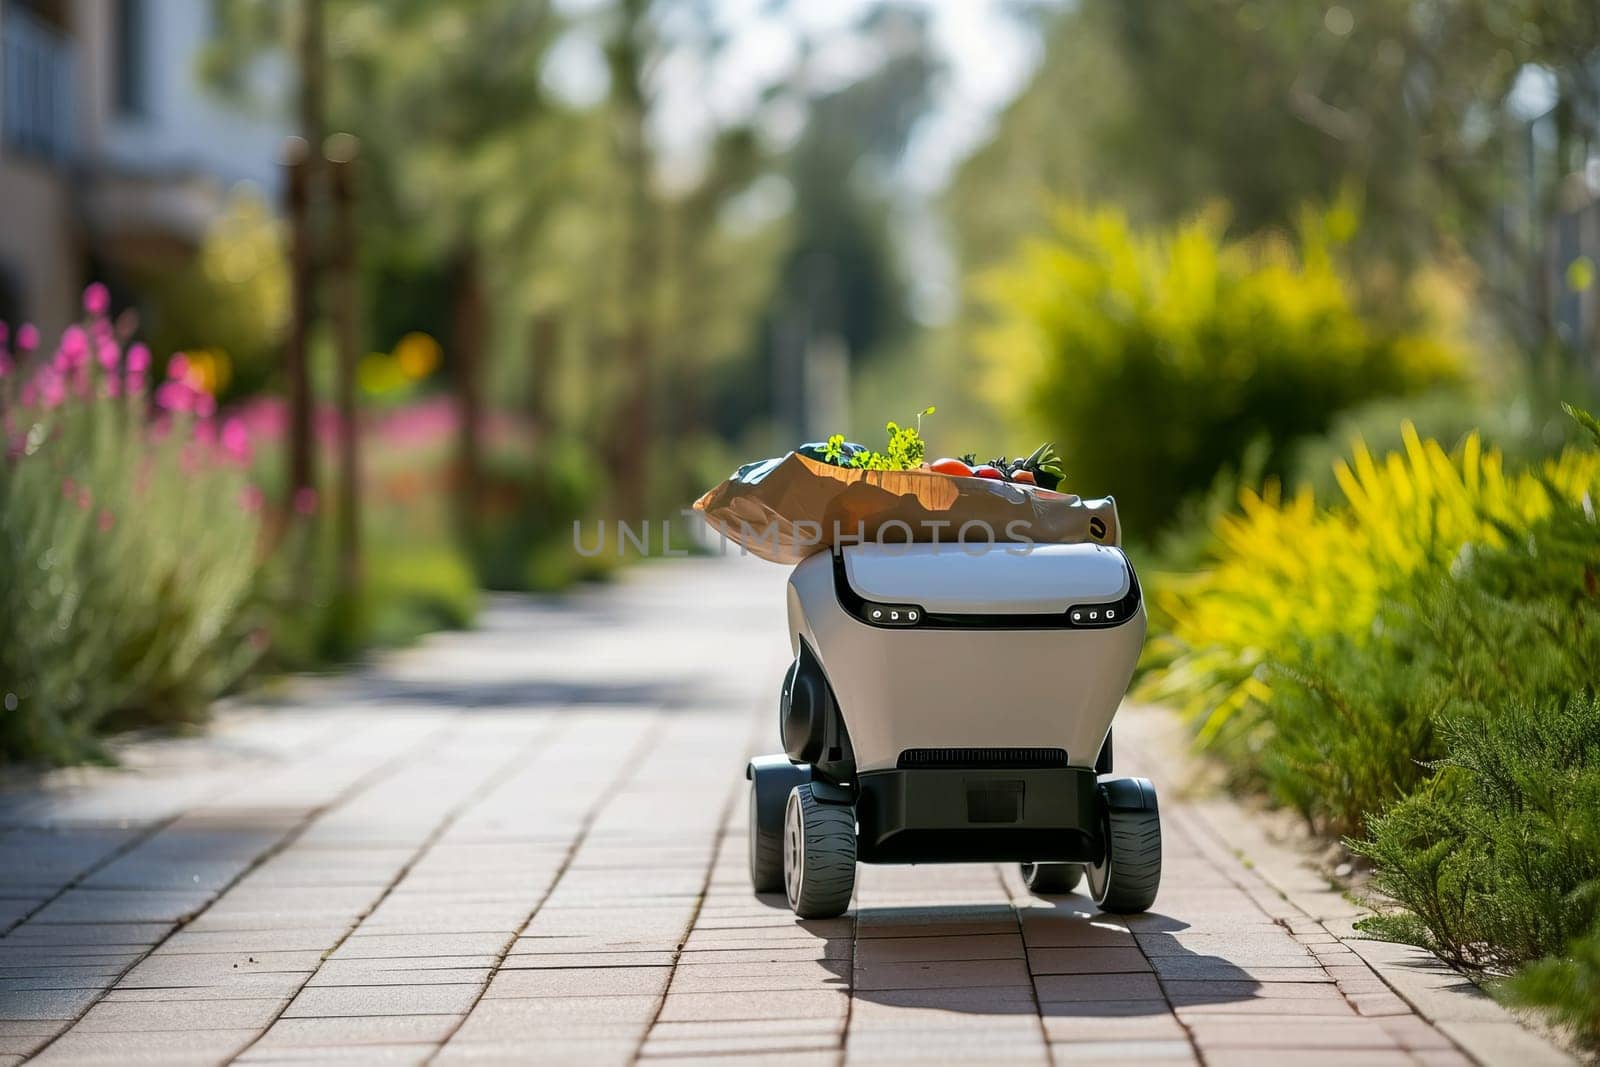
(788, 508)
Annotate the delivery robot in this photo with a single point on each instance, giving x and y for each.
(953, 703)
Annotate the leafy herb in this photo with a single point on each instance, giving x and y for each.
(904, 452)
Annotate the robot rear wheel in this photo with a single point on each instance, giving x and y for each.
(819, 855)
(1051, 879)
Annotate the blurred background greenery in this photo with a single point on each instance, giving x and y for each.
(1303, 285)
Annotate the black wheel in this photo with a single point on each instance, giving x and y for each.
(771, 780)
(819, 855)
(1127, 876)
(1049, 879)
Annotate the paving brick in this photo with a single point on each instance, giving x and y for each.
(1158, 1051)
(20, 1045)
(1088, 959)
(578, 1051)
(766, 1004)
(425, 970)
(580, 982)
(324, 1001)
(356, 1031)
(1249, 1032)
(378, 946)
(416, 1054)
(47, 1004)
(180, 1047)
(1156, 1026)
(80, 936)
(973, 1002)
(616, 958)
(1094, 987)
(939, 948)
(724, 1044)
(960, 974)
(1308, 1057)
(187, 1015)
(123, 905)
(532, 1018)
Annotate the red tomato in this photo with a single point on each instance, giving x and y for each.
(951, 466)
(986, 471)
(1024, 476)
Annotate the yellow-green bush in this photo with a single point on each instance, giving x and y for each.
(1155, 359)
(1288, 572)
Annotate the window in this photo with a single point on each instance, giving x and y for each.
(132, 86)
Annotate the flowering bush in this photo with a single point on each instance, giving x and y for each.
(128, 533)
(1288, 572)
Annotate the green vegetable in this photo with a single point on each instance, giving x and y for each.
(904, 452)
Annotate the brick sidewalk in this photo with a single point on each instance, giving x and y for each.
(526, 845)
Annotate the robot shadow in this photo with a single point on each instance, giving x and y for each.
(1058, 957)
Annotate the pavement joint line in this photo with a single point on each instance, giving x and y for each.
(1252, 870)
(629, 769)
(289, 837)
(487, 785)
(1027, 964)
(729, 807)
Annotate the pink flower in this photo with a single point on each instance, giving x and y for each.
(251, 499)
(52, 390)
(96, 299)
(113, 388)
(27, 337)
(110, 355)
(84, 498)
(136, 383)
(173, 396)
(205, 431)
(73, 351)
(305, 500)
(107, 520)
(236, 439)
(138, 358)
(178, 367)
(205, 405)
(69, 488)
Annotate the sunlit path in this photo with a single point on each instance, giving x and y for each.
(526, 844)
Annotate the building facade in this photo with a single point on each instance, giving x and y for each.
(113, 152)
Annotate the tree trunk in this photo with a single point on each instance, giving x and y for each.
(300, 159)
(633, 440)
(346, 317)
(467, 344)
(543, 373)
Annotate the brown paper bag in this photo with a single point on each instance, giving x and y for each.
(786, 509)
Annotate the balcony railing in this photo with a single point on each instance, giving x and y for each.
(36, 65)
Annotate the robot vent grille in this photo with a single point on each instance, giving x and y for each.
(982, 757)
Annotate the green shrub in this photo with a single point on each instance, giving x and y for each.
(1154, 360)
(1497, 858)
(1567, 986)
(127, 549)
(1351, 726)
